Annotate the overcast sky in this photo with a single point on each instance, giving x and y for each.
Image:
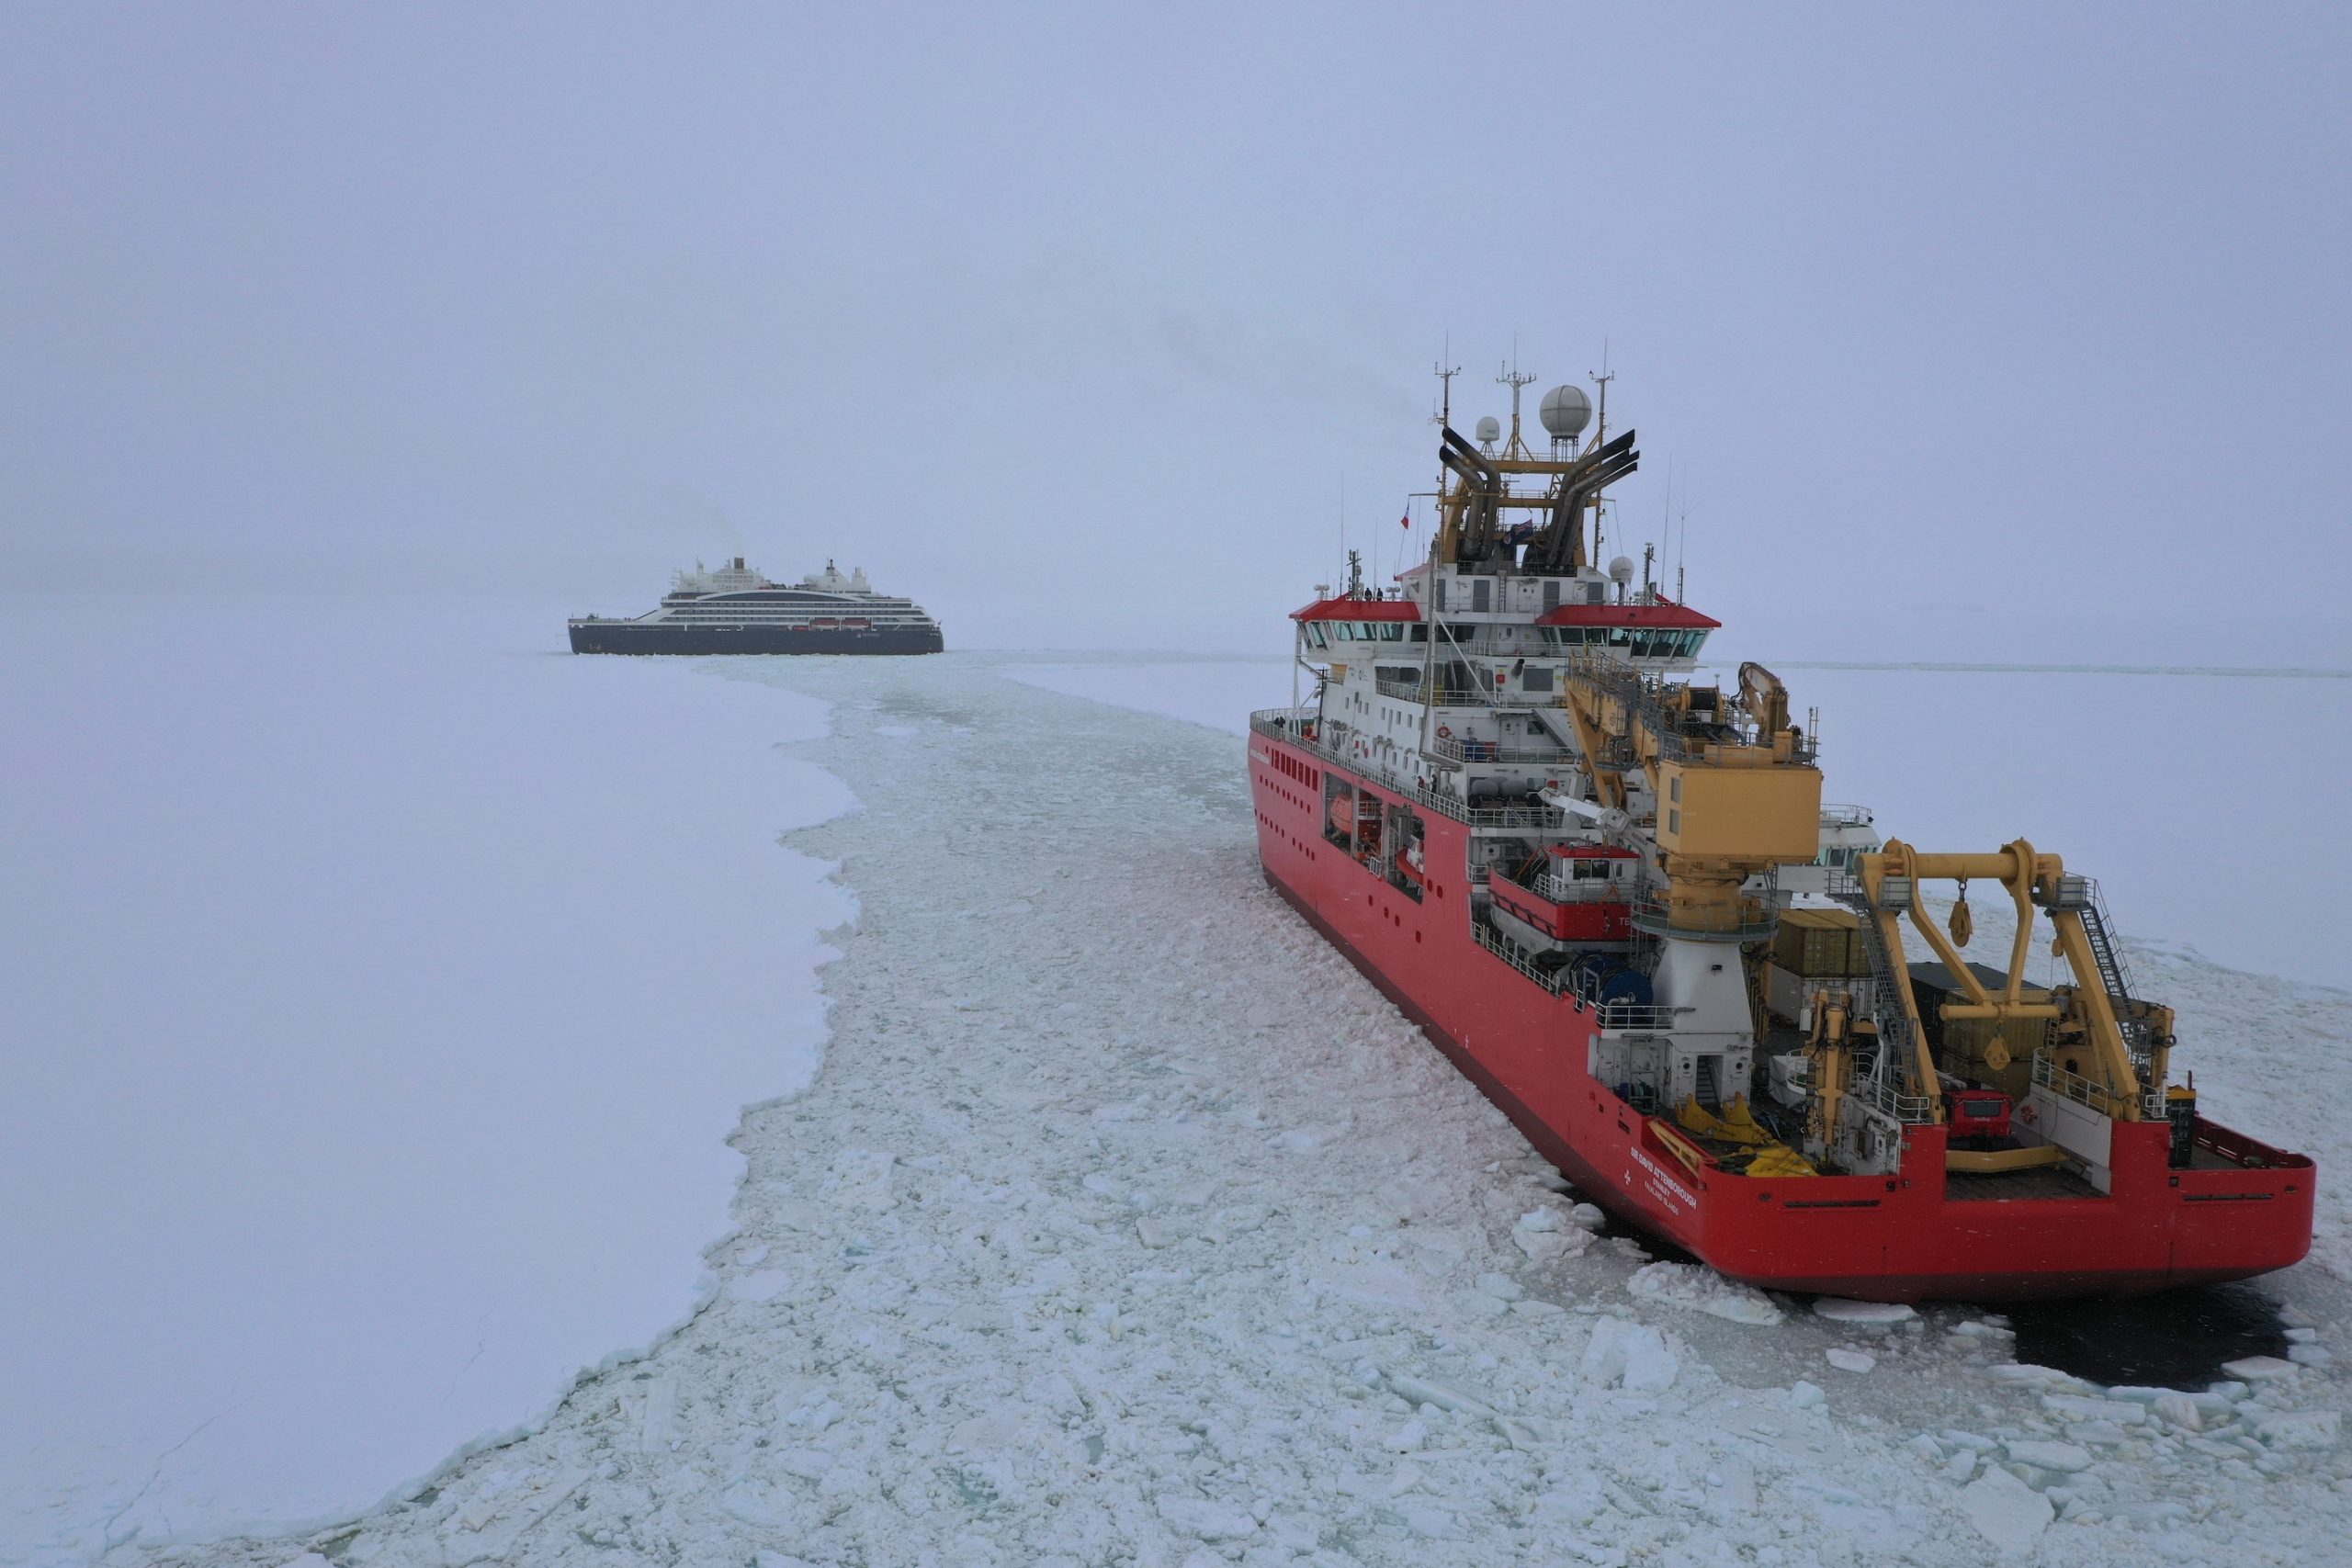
(1072, 325)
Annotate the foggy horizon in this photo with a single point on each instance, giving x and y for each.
(1075, 330)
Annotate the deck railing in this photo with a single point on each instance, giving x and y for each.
(2090, 1093)
(1455, 749)
(1748, 920)
(1582, 985)
(1566, 890)
(1302, 728)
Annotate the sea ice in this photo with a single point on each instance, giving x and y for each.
(2260, 1369)
(1700, 1289)
(382, 986)
(1839, 1311)
(2043, 1454)
(2005, 1510)
(997, 1368)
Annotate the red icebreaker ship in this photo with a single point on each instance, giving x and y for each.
(1612, 896)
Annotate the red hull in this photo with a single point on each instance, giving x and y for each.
(1897, 1237)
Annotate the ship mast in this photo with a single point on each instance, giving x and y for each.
(1515, 381)
(1600, 434)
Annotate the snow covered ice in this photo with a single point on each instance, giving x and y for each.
(1126, 1222)
(381, 987)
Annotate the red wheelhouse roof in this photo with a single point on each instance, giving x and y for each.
(1625, 615)
(1362, 610)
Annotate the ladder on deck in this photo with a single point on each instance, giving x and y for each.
(1886, 1005)
(1706, 1090)
(2112, 973)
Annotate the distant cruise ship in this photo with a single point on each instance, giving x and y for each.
(735, 610)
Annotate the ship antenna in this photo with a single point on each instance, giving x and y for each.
(1511, 378)
(1445, 376)
(1601, 378)
(1681, 548)
(1599, 431)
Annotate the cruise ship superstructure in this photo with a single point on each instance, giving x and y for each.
(1612, 894)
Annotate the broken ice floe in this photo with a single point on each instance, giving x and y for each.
(1838, 1310)
(1700, 1289)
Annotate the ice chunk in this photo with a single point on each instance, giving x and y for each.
(2043, 1454)
(1649, 1365)
(1604, 1353)
(1629, 1353)
(2097, 1433)
(1207, 1520)
(1977, 1328)
(2137, 1393)
(2080, 1407)
(1840, 1311)
(861, 1179)
(760, 1285)
(1540, 1220)
(1700, 1289)
(757, 1504)
(1445, 1397)
(1430, 1524)
(2260, 1369)
(2178, 1410)
(1806, 1397)
(1408, 1437)
(1503, 1287)
(1847, 1361)
(2299, 1429)
(660, 1412)
(2005, 1510)
(1544, 1245)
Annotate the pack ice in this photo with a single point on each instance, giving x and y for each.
(1128, 1223)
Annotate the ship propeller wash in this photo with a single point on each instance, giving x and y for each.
(1612, 896)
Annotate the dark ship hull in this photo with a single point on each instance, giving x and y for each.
(631, 636)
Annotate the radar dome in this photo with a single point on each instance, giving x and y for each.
(1622, 569)
(1489, 428)
(1564, 411)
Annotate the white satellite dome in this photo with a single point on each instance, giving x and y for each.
(1622, 569)
(1565, 412)
(1489, 428)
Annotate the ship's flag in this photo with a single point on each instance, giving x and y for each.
(1405, 521)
